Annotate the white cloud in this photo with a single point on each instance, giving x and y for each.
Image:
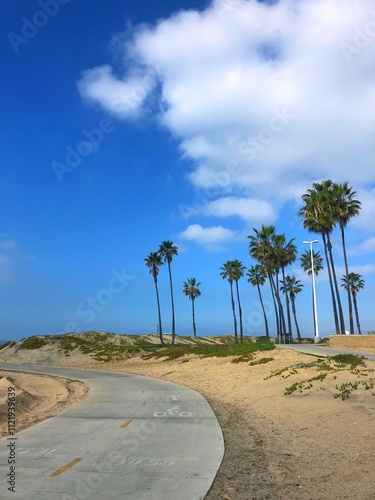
(265, 99)
(124, 98)
(211, 238)
(363, 270)
(251, 210)
(366, 246)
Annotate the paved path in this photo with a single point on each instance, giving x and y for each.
(133, 437)
(323, 351)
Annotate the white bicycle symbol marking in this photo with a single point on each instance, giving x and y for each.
(174, 412)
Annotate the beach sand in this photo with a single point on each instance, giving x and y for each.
(308, 445)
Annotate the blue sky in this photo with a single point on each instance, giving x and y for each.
(125, 124)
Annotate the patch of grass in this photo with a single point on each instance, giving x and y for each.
(346, 388)
(261, 361)
(10, 343)
(217, 350)
(34, 342)
(304, 384)
(345, 360)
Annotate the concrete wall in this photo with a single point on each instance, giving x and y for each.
(347, 341)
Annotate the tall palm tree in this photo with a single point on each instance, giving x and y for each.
(238, 270)
(167, 251)
(319, 217)
(286, 253)
(354, 282)
(257, 277)
(292, 286)
(191, 290)
(154, 261)
(262, 248)
(227, 273)
(346, 207)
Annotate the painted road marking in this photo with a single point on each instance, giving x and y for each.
(173, 398)
(126, 423)
(175, 411)
(65, 467)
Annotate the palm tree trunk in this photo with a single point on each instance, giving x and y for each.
(336, 318)
(240, 313)
(356, 312)
(193, 313)
(351, 322)
(287, 306)
(159, 314)
(234, 314)
(172, 301)
(280, 306)
(275, 308)
(295, 320)
(341, 316)
(264, 314)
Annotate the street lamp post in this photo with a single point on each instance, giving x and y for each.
(316, 338)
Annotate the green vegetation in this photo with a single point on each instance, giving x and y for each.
(10, 343)
(304, 384)
(261, 361)
(346, 388)
(331, 365)
(33, 343)
(242, 351)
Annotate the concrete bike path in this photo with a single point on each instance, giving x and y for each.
(323, 351)
(132, 437)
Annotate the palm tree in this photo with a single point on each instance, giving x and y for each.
(154, 261)
(291, 286)
(354, 282)
(319, 217)
(262, 248)
(227, 273)
(257, 277)
(286, 253)
(346, 207)
(191, 290)
(167, 250)
(237, 272)
(305, 260)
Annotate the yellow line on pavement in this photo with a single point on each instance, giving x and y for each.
(65, 467)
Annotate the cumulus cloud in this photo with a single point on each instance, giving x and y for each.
(124, 98)
(366, 246)
(265, 98)
(211, 237)
(251, 210)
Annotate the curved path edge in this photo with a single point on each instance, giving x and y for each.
(132, 437)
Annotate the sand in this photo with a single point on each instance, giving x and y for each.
(308, 445)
